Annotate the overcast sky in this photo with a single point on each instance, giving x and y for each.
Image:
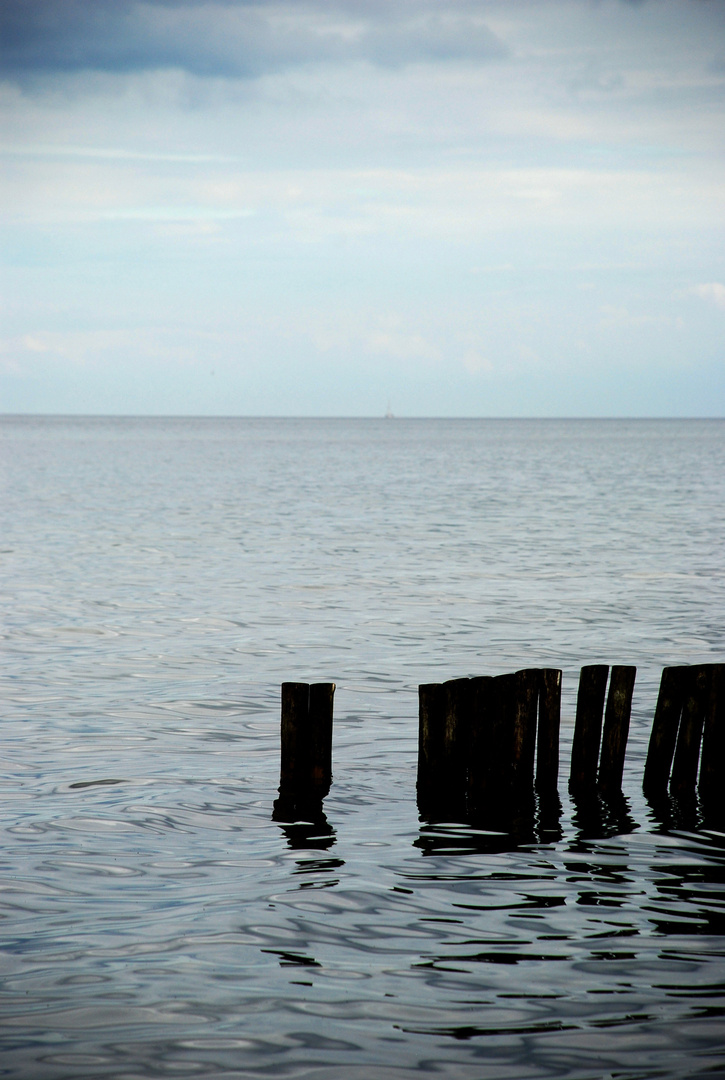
(454, 207)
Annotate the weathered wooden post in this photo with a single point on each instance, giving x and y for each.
(294, 750)
(455, 747)
(690, 715)
(616, 728)
(443, 743)
(503, 743)
(306, 749)
(503, 704)
(588, 728)
(431, 741)
(481, 764)
(526, 696)
(687, 751)
(712, 764)
(322, 696)
(664, 731)
(547, 748)
(500, 749)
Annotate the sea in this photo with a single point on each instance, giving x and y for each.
(161, 577)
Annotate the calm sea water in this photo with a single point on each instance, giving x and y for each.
(161, 578)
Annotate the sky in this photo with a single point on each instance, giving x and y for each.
(321, 208)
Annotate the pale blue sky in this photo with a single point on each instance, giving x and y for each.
(463, 208)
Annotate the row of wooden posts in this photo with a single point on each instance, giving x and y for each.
(486, 744)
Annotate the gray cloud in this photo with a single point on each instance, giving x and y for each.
(236, 38)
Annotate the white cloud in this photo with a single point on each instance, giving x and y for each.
(613, 316)
(403, 346)
(91, 347)
(476, 364)
(713, 290)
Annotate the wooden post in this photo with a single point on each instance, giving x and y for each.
(480, 761)
(588, 727)
(322, 696)
(306, 748)
(526, 694)
(455, 747)
(712, 765)
(431, 740)
(687, 751)
(547, 750)
(664, 731)
(616, 728)
(295, 754)
(491, 772)
(503, 704)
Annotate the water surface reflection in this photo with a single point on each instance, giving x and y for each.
(317, 833)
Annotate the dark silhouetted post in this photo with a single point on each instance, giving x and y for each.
(294, 758)
(547, 749)
(664, 731)
(480, 761)
(455, 747)
(322, 697)
(588, 728)
(687, 751)
(616, 728)
(431, 742)
(526, 693)
(712, 765)
(306, 748)
(492, 703)
(501, 728)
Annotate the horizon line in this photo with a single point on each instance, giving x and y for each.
(328, 416)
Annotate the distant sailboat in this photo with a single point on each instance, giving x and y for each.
(389, 413)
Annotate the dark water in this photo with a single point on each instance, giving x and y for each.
(162, 577)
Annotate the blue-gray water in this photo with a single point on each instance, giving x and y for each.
(161, 578)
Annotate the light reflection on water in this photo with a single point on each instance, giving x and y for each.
(162, 579)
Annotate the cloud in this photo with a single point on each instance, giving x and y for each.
(475, 364)
(81, 348)
(404, 346)
(233, 38)
(713, 290)
(619, 317)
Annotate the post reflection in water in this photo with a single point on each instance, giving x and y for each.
(687, 812)
(533, 818)
(315, 834)
(312, 832)
(614, 921)
(597, 817)
(688, 898)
